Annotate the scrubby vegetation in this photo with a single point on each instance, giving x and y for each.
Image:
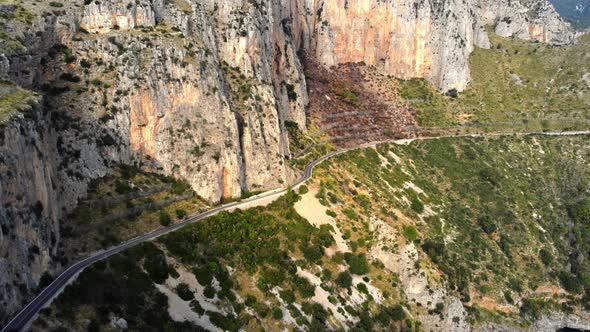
(123, 286)
(14, 99)
(500, 214)
(516, 85)
(484, 225)
(264, 248)
(122, 205)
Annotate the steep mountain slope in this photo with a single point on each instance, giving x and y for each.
(515, 84)
(430, 39)
(202, 91)
(159, 85)
(449, 234)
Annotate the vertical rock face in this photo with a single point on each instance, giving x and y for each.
(402, 38)
(103, 16)
(199, 90)
(430, 39)
(529, 20)
(196, 90)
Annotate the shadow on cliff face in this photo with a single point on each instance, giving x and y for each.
(354, 103)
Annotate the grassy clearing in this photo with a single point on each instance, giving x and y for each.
(14, 99)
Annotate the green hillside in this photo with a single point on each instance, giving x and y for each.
(498, 224)
(515, 84)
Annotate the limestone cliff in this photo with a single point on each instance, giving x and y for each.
(196, 89)
(430, 39)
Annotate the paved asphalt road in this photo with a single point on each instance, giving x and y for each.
(26, 315)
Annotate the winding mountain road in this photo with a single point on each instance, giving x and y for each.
(26, 315)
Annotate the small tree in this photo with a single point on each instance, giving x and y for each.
(344, 280)
(184, 292)
(165, 219)
(180, 213)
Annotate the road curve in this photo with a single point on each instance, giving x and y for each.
(26, 315)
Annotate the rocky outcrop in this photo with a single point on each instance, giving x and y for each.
(430, 39)
(558, 320)
(528, 20)
(198, 90)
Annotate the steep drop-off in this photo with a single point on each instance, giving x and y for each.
(197, 90)
(193, 90)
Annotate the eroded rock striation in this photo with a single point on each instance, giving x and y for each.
(430, 39)
(196, 89)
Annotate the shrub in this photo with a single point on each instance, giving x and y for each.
(45, 280)
(287, 295)
(165, 219)
(203, 275)
(155, 263)
(532, 308)
(398, 313)
(85, 63)
(313, 253)
(362, 288)
(324, 237)
(196, 307)
(453, 93)
(358, 263)
(180, 213)
(250, 300)
(348, 97)
(38, 209)
(270, 278)
(346, 234)
(580, 212)
(344, 280)
(184, 292)
(434, 249)
(277, 313)
(56, 4)
(122, 187)
(69, 58)
(570, 282)
(545, 257)
(69, 77)
(439, 307)
(508, 297)
(331, 213)
(304, 287)
(291, 94)
(411, 233)
(261, 309)
(209, 292)
(486, 224)
(303, 189)
(417, 205)
(351, 214)
(226, 323)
